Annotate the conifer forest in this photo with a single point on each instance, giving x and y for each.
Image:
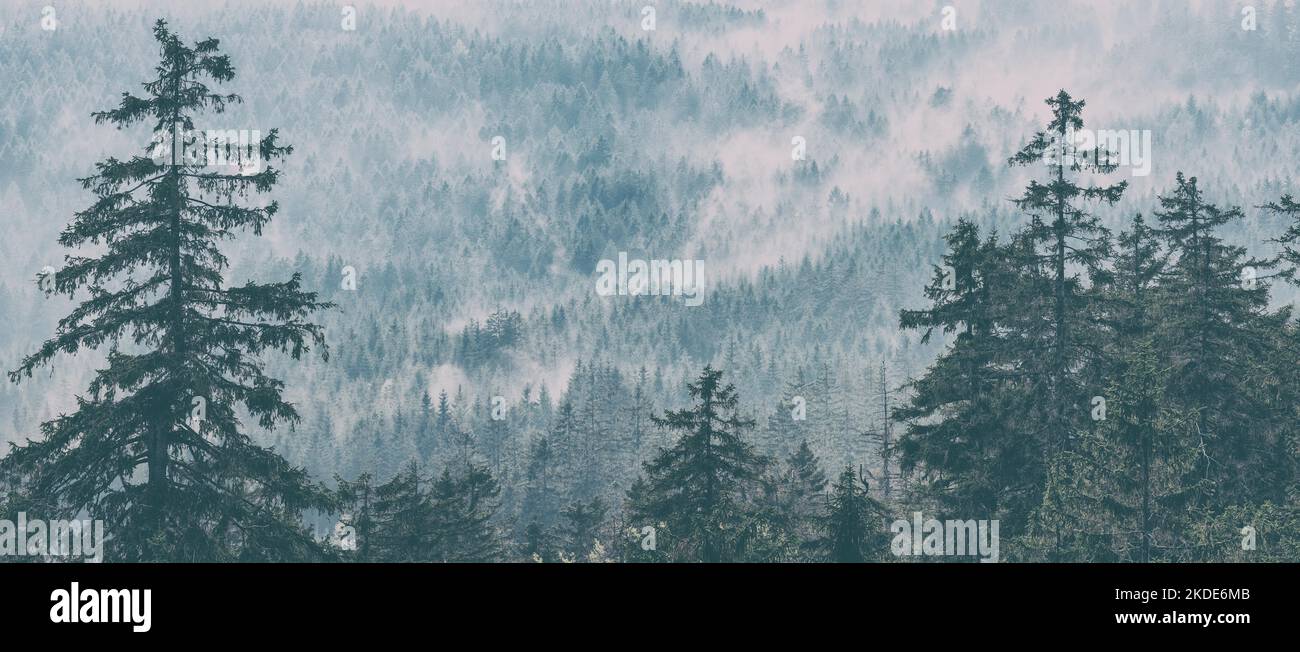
(650, 281)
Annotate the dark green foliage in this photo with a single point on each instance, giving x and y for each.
(962, 437)
(804, 483)
(1055, 315)
(851, 531)
(1107, 404)
(413, 518)
(1130, 498)
(1034, 320)
(537, 544)
(580, 533)
(805, 474)
(1290, 240)
(1217, 338)
(463, 506)
(697, 486)
(168, 486)
(361, 499)
(781, 521)
(405, 516)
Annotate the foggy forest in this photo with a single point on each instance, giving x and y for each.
(652, 281)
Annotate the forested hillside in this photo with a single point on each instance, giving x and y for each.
(910, 303)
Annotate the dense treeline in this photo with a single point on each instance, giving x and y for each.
(1126, 398)
(616, 140)
(1110, 399)
(708, 496)
(1107, 396)
(1105, 399)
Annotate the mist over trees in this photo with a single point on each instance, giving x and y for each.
(930, 312)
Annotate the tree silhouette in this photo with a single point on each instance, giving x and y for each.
(695, 486)
(156, 447)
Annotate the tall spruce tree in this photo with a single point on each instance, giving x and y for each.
(1061, 236)
(1126, 499)
(172, 484)
(698, 487)
(1061, 247)
(1218, 339)
(963, 436)
(1138, 432)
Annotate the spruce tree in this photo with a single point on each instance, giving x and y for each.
(638, 409)
(541, 500)
(155, 447)
(782, 430)
(1290, 240)
(412, 518)
(848, 533)
(698, 486)
(463, 505)
(537, 544)
(1139, 438)
(766, 531)
(549, 474)
(358, 500)
(404, 516)
(495, 439)
(1284, 511)
(1061, 236)
(580, 531)
(780, 521)
(806, 473)
(963, 439)
(1218, 339)
(1054, 324)
(1126, 502)
(805, 485)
